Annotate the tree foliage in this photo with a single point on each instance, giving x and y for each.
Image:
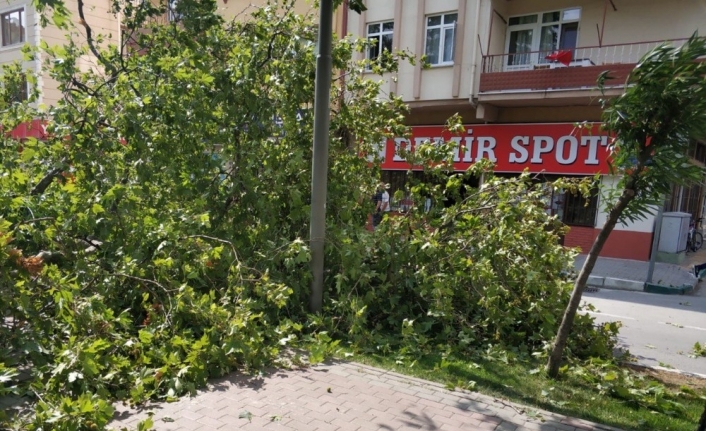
(653, 124)
(154, 238)
(465, 276)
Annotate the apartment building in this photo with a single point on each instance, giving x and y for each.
(522, 74)
(20, 25)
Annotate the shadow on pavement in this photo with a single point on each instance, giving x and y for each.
(419, 421)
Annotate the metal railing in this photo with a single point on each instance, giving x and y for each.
(626, 53)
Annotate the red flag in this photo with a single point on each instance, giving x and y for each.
(562, 56)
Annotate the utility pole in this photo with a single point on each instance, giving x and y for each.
(655, 243)
(319, 165)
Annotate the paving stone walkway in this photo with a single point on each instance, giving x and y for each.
(344, 396)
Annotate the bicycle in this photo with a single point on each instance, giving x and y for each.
(695, 239)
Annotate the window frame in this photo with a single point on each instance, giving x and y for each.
(23, 24)
(442, 37)
(379, 37)
(172, 14)
(537, 26)
(572, 209)
(579, 210)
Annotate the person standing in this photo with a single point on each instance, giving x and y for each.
(385, 206)
(381, 199)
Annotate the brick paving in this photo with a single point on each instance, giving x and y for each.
(665, 274)
(343, 396)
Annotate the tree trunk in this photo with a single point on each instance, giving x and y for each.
(568, 320)
(702, 422)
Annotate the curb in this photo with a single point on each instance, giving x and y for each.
(637, 286)
(621, 284)
(615, 283)
(595, 281)
(668, 290)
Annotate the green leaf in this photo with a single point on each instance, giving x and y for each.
(27, 154)
(145, 425)
(20, 177)
(610, 376)
(145, 337)
(245, 415)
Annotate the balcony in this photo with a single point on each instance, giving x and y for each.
(529, 72)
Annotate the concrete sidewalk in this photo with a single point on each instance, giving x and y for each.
(344, 396)
(632, 274)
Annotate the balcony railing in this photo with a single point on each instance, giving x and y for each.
(626, 53)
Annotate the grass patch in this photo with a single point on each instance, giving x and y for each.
(570, 395)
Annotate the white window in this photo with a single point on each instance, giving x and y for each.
(380, 38)
(172, 13)
(441, 38)
(530, 38)
(13, 27)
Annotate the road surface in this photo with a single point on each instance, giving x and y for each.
(659, 330)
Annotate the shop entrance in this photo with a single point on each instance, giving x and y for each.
(402, 181)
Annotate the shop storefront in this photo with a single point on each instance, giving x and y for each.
(551, 150)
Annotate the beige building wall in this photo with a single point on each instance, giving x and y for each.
(436, 81)
(407, 41)
(439, 82)
(102, 22)
(241, 9)
(482, 30)
(633, 21)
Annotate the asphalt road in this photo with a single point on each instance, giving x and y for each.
(659, 330)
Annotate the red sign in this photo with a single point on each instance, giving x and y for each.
(33, 129)
(551, 148)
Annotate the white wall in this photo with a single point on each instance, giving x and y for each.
(646, 225)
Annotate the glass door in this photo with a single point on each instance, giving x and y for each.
(520, 42)
(520, 48)
(569, 36)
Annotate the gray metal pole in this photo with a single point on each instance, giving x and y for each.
(655, 243)
(319, 168)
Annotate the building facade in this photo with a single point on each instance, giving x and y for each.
(522, 74)
(20, 25)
